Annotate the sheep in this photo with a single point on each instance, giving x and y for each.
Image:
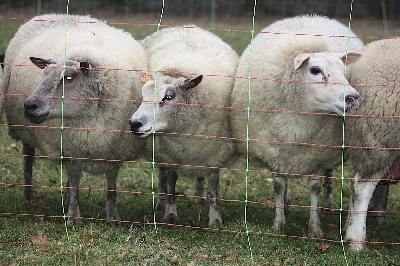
(376, 76)
(297, 68)
(187, 111)
(100, 90)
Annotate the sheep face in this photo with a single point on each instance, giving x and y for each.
(325, 86)
(161, 105)
(46, 101)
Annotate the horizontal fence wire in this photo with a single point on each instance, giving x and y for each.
(8, 186)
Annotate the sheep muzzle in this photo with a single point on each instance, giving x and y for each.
(352, 103)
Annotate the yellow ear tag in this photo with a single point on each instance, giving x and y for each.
(346, 62)
(145, 78)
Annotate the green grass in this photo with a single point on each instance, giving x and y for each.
(41, 239)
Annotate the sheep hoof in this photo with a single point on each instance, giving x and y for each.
(114, 221)
(287, 210)
(160, 206)
(327, 206)
(74, 222)
(171, 218)
(315, 232)
(279, 227)
(382, 221)
(200, 201)
(356, 246)
(214, 218)
(29, 195)
(171, 214)
(326, 210)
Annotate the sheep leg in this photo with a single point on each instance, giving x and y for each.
(74, 174)
(287, 202)
(379, 203)
(66, 194)
(214, 216)
(29, 153)
(362, 191)
(280, 188)
(171, 210)
(327, 204)
(162, 190)
(111, 207)
(200, 195)
(314, 224)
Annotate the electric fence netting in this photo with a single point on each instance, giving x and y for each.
(53, 203)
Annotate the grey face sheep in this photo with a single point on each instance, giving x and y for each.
(372, 136)
(86, 76)
(298, 94)
(185, 105)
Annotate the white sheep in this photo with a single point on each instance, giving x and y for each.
(100, 85)
(185, 104)
(297, 70)
(377, 77)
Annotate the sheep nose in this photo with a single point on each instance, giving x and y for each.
(35, 110)
(32, 104)
(352, 102)
(135, 125)
(354, 94)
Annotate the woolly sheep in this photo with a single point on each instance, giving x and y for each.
(193, 80)
(376, 76)
(96, 105)
(296, 69)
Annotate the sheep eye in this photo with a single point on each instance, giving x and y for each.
(315, 70)
(169, 96)
(69, 78)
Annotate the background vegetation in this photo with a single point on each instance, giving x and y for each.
(33, 233)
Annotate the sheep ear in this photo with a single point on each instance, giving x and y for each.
(352, 57)
(300, 60)
(85, 66)
(41, 63)
(191, 83)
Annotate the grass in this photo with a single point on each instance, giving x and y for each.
(33, 233)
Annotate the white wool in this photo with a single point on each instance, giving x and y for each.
(377, 77)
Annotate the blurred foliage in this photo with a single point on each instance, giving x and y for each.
(334, 8)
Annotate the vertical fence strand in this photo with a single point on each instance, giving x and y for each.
(62, 122)
(343, 139)
(154, 115)
(247, 127)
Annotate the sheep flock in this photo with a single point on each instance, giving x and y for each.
(93, 97)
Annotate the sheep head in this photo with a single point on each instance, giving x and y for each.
(46, 100)
(323, 78)
(164, 97)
